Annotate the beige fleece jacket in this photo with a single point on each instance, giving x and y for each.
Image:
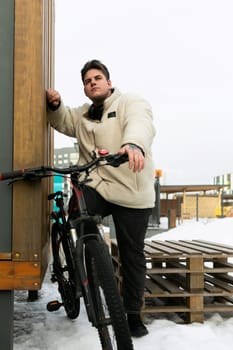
(126, 119)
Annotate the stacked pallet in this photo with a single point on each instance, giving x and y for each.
(186, 277)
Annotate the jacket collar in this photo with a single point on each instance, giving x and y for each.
(107, 103)
(116, 93)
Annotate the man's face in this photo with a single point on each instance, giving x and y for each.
(96, 86)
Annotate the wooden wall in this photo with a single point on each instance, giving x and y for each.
(33, 73)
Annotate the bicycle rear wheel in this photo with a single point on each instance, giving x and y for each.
(110, 316)
(63, 270)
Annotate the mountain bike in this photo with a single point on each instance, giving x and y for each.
(82, 265)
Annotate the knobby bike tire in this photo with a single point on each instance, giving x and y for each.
(110, 315)
(63, 269)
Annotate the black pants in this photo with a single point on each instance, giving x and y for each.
(130, 225)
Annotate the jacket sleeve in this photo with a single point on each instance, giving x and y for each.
(65, 119)
(137, 122)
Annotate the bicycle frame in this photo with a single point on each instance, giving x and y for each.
(78, 237)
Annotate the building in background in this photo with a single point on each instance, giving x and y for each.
(63, 158)
(66, 156)
(227, 180)
(227, 194)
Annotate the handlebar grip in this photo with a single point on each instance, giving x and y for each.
(11, 174)
(117, 159)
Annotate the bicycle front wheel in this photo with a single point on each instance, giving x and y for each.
(109, 311)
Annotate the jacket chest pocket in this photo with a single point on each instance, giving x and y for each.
(108, 135)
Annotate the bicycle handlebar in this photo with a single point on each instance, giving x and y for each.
(30, 174)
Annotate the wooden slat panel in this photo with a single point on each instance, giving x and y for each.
(33, 73)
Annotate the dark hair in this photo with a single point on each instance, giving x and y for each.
(95, 64)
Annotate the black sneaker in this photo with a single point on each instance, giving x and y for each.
(136, 326)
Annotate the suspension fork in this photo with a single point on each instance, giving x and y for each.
(82, 284)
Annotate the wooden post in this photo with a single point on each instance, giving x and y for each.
(31, 135)
(26, 70)
(195, 284)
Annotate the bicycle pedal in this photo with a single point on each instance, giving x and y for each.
(54, 305)
(53, 279)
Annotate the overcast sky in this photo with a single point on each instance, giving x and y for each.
(178, 54)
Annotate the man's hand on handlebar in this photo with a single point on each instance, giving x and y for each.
(135, 155)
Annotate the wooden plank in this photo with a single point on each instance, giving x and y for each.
(210, 270)
(225, 277)
(181, 248)
(166, 270)
(195, 279)
(177, 265)
(218, 265)
(178, 279)
(161, 248)
(210, 251)
(222, 247)
(20, 275)
(218, 308)
(219, 283)
(212, 289)
(222, 263)
(196, 306)
(166, 265)
(165, 309)
(153, 288)
(224, 299)
(166, 284)
(151, 251)
(190, 248)
(5, 256)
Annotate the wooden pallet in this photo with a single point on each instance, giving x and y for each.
(189, 277)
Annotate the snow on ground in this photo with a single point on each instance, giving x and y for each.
(37, 329)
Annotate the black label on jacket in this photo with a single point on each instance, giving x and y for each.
(112, 115)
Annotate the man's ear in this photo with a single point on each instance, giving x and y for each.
(84, 91)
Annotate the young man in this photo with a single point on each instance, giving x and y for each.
(120, 123)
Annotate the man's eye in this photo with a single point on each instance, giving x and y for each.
(98, 77)
(87, 81)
